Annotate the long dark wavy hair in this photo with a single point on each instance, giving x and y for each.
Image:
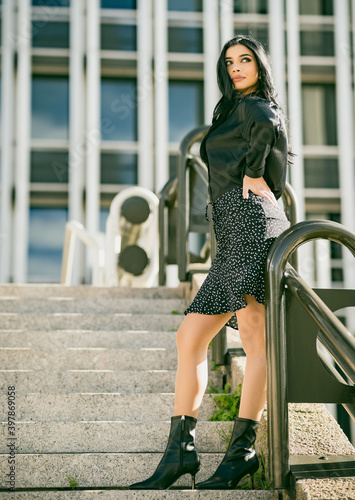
(230, 95)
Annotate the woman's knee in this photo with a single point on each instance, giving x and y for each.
(188, 340)
(197, 330)
(192, 334)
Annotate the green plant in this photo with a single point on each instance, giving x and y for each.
(227, 405)
(175, 312)
(73, 482)
(214, 367)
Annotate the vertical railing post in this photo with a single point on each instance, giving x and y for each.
(219, 343)
(276, 383)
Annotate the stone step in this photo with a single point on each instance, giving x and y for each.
(93, 381)
(93, 358)
(59, 339)
(86, 291)
(106, 437)
(171, 494)
(78, 321)
(108, 470)
(89, 407)
(91, 305)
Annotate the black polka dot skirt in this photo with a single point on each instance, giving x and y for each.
(245, 230)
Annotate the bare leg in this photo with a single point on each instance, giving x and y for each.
(251, 323)
(192, 340)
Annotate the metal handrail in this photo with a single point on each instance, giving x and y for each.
(334, 336)
(74, 230)
(165, 196)
(182, 218)
(276, 279)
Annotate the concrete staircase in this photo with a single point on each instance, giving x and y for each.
(94, 371)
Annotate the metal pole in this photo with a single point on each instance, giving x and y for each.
(276, 379)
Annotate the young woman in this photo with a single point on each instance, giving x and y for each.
(246, 152)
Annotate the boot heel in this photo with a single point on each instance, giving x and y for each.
(251, 481)
(192, 481)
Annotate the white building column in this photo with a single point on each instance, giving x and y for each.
(93, 133)
(161, 97)
(22, 152)
(7, 135)
(345, 133)
(210, 54)
(77, 144)
(226, 22)
(295, 102)
(296, 170)
(145, 94)
(277, 48)
(76, 111)
(353, 37)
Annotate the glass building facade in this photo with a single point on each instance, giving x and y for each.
(97, 95)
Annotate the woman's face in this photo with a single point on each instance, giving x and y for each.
(242, 68)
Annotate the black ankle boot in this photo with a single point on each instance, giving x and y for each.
(239, 460)
(180, 456)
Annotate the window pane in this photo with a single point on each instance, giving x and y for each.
(49, 166)
(118, 4)
(119, 168)
(118, 37)
(185, 40)
(316, 7)
(317, 43)
(250, 7)
(321, 173)
(50, 34)
(119, 109)
(52, 3)
(319, 114)
(336, 250)
(46, 237)
(185, 108)
(104, 213)
(50, 102)
(185, 5)
(337, 275)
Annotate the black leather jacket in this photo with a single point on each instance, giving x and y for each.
(251, 141)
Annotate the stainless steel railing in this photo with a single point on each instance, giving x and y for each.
(281, 281)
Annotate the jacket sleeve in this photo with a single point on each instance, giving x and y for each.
(262, 131)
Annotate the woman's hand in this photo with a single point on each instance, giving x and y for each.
(258, 186)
